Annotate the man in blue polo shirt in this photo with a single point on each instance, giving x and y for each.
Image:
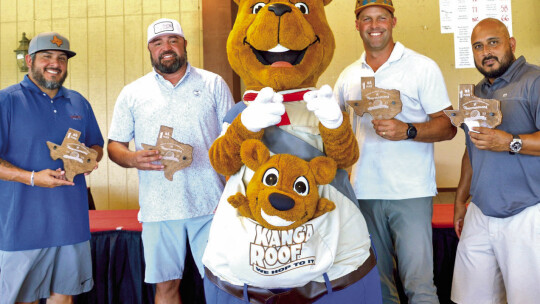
(44, 229)
(498, 255)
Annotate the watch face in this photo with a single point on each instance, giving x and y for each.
(411, 132)
(515, 146)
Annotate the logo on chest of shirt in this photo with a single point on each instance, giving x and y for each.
(273, 252)
(75, 116)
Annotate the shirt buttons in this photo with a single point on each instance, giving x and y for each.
(54, 111)
(52, 101)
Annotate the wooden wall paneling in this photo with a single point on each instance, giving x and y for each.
(78, 9)
(25, 10)
(8, 11)
(217, 22)
(41, 25)
(115, 81)
(43, 10)
(134, 46)
(114, 7)
(96, 8)
(60, 9)
(151, 7)
(8, 64)
(192, 30)
(97, 95)
(172, 6)
(132, 7)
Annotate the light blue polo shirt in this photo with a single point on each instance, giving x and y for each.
(194, 108)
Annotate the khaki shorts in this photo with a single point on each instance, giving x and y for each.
(29, 275)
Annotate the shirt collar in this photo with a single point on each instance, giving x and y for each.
(509, 74)
(30, 85)
(396, 54)
(162, 80)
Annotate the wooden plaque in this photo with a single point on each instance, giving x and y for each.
(379, 103)
(475, 111)
(77, 157)
(176, 155)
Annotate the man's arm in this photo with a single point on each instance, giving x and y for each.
(119, 153)
(438, 128)
(46, 178)
(462, 193)
(99, 150)
(499, 141)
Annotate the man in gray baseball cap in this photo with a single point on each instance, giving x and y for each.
(44, 235)
(50, 41)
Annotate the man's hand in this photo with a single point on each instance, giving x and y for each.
(264, 111)
(491, 139)
(143, 160)
(459, 216)
(391, 129)
(51, 178)
(323, 104)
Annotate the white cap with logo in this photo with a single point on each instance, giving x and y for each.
(162, 27)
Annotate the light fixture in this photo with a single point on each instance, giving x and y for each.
(21, 52)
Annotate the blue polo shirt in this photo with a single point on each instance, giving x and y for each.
(503, 185)
(35, 217)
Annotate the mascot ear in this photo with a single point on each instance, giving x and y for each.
(324, 168)
(238, 2)
(326, 2)
(254, 153)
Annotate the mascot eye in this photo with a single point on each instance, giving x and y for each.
(302, 7)
(271, 177)
(301, 186)
(257, 7)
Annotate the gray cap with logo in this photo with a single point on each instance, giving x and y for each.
(50, 41)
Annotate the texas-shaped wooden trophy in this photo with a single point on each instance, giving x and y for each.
(475, 111)
(175, 155)
(379, 103)
(77, 157)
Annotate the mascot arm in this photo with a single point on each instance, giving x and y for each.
(325, 205)
(225, 151)
(241, 203)
(340, 144)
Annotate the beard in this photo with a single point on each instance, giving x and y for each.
(37, 75)
(170, 67)
(504, 64)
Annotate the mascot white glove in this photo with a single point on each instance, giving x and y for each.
(264, 111)
(323, 104)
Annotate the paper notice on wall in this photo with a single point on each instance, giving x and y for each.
(460, 17)
(446, 8)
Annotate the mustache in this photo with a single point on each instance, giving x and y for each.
(489, 58)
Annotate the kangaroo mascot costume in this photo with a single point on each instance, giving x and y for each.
(271, 248)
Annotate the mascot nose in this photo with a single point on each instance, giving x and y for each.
(281, 202)
(279, 9)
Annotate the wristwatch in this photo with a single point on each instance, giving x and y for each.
(515, 145)
(411, 131)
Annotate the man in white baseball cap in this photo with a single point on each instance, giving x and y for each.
(193, 102)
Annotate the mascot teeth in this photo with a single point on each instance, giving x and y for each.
(278, 49)
(275, 220)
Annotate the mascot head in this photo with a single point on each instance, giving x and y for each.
(280, 44)
(283, 192)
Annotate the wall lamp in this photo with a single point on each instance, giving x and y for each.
(21, 52)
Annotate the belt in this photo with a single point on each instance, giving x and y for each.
(308, 293)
